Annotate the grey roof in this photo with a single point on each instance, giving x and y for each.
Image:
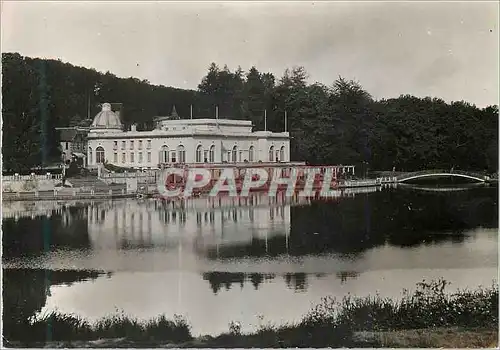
(106, 119)
(174, 114)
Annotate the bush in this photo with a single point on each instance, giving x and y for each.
(429, 306)
(60, 327)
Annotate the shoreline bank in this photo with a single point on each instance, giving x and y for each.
(429, 317)
(452, 338)
(76, 195)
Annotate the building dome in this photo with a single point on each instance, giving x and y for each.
(106, 119)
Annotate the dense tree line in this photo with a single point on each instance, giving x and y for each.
(40, 94)
(337, 124)
(343, 124)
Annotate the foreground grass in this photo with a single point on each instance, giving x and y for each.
(429, 317)
(451, 338)
(61, 327)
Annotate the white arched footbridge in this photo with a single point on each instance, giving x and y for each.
(441, 173)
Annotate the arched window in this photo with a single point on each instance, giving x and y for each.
(271, 153)
(211, 156)
(235, 154)
(163, 155)
(199, 151)
(182, 154)
(282, 154)
(90, 155)
(250, 154)
(99, 155)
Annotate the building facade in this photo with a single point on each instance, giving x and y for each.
(73, 142)
(181, 141)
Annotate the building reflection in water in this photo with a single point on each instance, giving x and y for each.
(345, 276)
(201, 224)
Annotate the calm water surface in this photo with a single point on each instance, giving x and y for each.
(254, 260)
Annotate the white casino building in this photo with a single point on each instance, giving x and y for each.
(187, 141)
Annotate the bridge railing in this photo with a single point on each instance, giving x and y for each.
(440, 171)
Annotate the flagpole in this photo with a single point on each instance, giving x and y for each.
(285, 121)
(217, 115)
(191, 110)
(88, 106)
(265, 119)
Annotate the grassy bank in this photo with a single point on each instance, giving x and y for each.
(427, 317)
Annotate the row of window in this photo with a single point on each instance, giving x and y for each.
(278, 155)
(205, 156)
(232, 155)
(77, 146)
(99, 154)
(132, 157)
(179, 155)
(175, 156)
(131, 145)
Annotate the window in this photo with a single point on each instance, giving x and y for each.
(250, 154)
(99, 155)
(163, 154)
(182, 154)
(124, 159)
(211, 157)
(198, 154)
(115, 145)
(131, 157)
(149, 144)
(115, 158)
(123, 144)
(90, 155)
(282, 154)
(140, 157)
(240, 159)
(271, 153)
(140, 144)
(174, 157)
(132, 144)
(235, 152)
(149, 157)
(67, 145)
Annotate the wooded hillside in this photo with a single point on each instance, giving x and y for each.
(336, 124)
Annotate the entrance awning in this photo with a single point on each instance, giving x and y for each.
(79, 155)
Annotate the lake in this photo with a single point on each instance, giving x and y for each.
(254, 260)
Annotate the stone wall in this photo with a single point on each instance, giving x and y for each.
(30, 183)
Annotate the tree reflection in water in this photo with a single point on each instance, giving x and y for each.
(25, 291)
(294, 281)
(349, 227)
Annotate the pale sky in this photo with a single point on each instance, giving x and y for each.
(441, 49)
